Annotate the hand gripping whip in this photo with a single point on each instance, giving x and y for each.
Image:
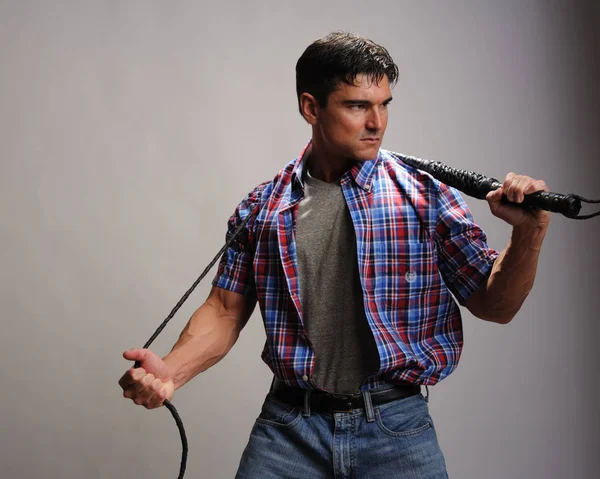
(470, 183)
(167, 403)
(478, 186)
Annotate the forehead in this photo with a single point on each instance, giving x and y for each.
(364, 88)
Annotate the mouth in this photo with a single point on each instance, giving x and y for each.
(370, 140)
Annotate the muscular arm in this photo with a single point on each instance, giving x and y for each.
(209, 335)
(513, 273)
(511, 279)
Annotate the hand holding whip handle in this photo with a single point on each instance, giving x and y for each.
(478, 186)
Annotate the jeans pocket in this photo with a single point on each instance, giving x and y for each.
(405, 417)
(277, 413)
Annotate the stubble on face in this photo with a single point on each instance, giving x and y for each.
(351, 126)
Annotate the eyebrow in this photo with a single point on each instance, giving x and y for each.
(364, 102)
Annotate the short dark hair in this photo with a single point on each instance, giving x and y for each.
(340, 57)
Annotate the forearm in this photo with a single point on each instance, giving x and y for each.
(511, 278)
(207, 338)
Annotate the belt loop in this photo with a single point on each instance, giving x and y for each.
(427, 393)
(368, 406)
(306, 412)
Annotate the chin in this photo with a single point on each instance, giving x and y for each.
(367, 154)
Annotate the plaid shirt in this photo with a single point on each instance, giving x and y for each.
(417, 246)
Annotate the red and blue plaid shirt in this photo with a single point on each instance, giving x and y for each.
(417, 246)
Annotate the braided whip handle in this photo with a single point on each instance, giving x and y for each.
(478, 186)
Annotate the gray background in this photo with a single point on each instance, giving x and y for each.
(129, 130)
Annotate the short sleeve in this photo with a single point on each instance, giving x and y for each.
(235, 272)
(464, 258)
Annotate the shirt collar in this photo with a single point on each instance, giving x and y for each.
(362, 172)
(297, 172)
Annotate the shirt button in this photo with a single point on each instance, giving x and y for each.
(305, 378)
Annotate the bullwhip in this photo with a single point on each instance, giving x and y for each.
(166, 402)
(469, 182)
(478, 186)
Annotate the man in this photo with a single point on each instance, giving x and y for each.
(353, 257)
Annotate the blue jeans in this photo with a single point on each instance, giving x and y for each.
(392, 440)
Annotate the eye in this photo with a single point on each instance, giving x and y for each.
(357, 107)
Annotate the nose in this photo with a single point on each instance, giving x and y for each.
(374, 120)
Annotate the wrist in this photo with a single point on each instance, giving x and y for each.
(172, 365)
(529, 236)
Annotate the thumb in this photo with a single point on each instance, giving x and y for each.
(135, 354)
(150, 362)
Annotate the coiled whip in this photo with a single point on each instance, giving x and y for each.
(469, 182)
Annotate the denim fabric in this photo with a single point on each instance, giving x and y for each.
(400, 443)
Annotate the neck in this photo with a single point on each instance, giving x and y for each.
(324, 166)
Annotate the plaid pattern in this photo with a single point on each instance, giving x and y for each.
(417, 246)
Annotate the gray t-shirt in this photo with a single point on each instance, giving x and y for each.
(330, 290)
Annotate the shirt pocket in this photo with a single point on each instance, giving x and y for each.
(407, 281)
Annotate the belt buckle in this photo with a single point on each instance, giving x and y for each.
(348, 404)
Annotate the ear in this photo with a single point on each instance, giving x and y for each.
(309, 107)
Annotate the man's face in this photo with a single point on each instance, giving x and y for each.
(352, 125)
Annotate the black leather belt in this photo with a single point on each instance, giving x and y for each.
(322, 401)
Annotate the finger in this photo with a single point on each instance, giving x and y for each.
(495, 195)
(512, 191)
(139, 392)
(507, 185)
(135, 354)
(141, 387)
(131, 377)
(136, 384)
(523, 188)
(535, 186)
(522, 182)
(159, 393)
(508, 179)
